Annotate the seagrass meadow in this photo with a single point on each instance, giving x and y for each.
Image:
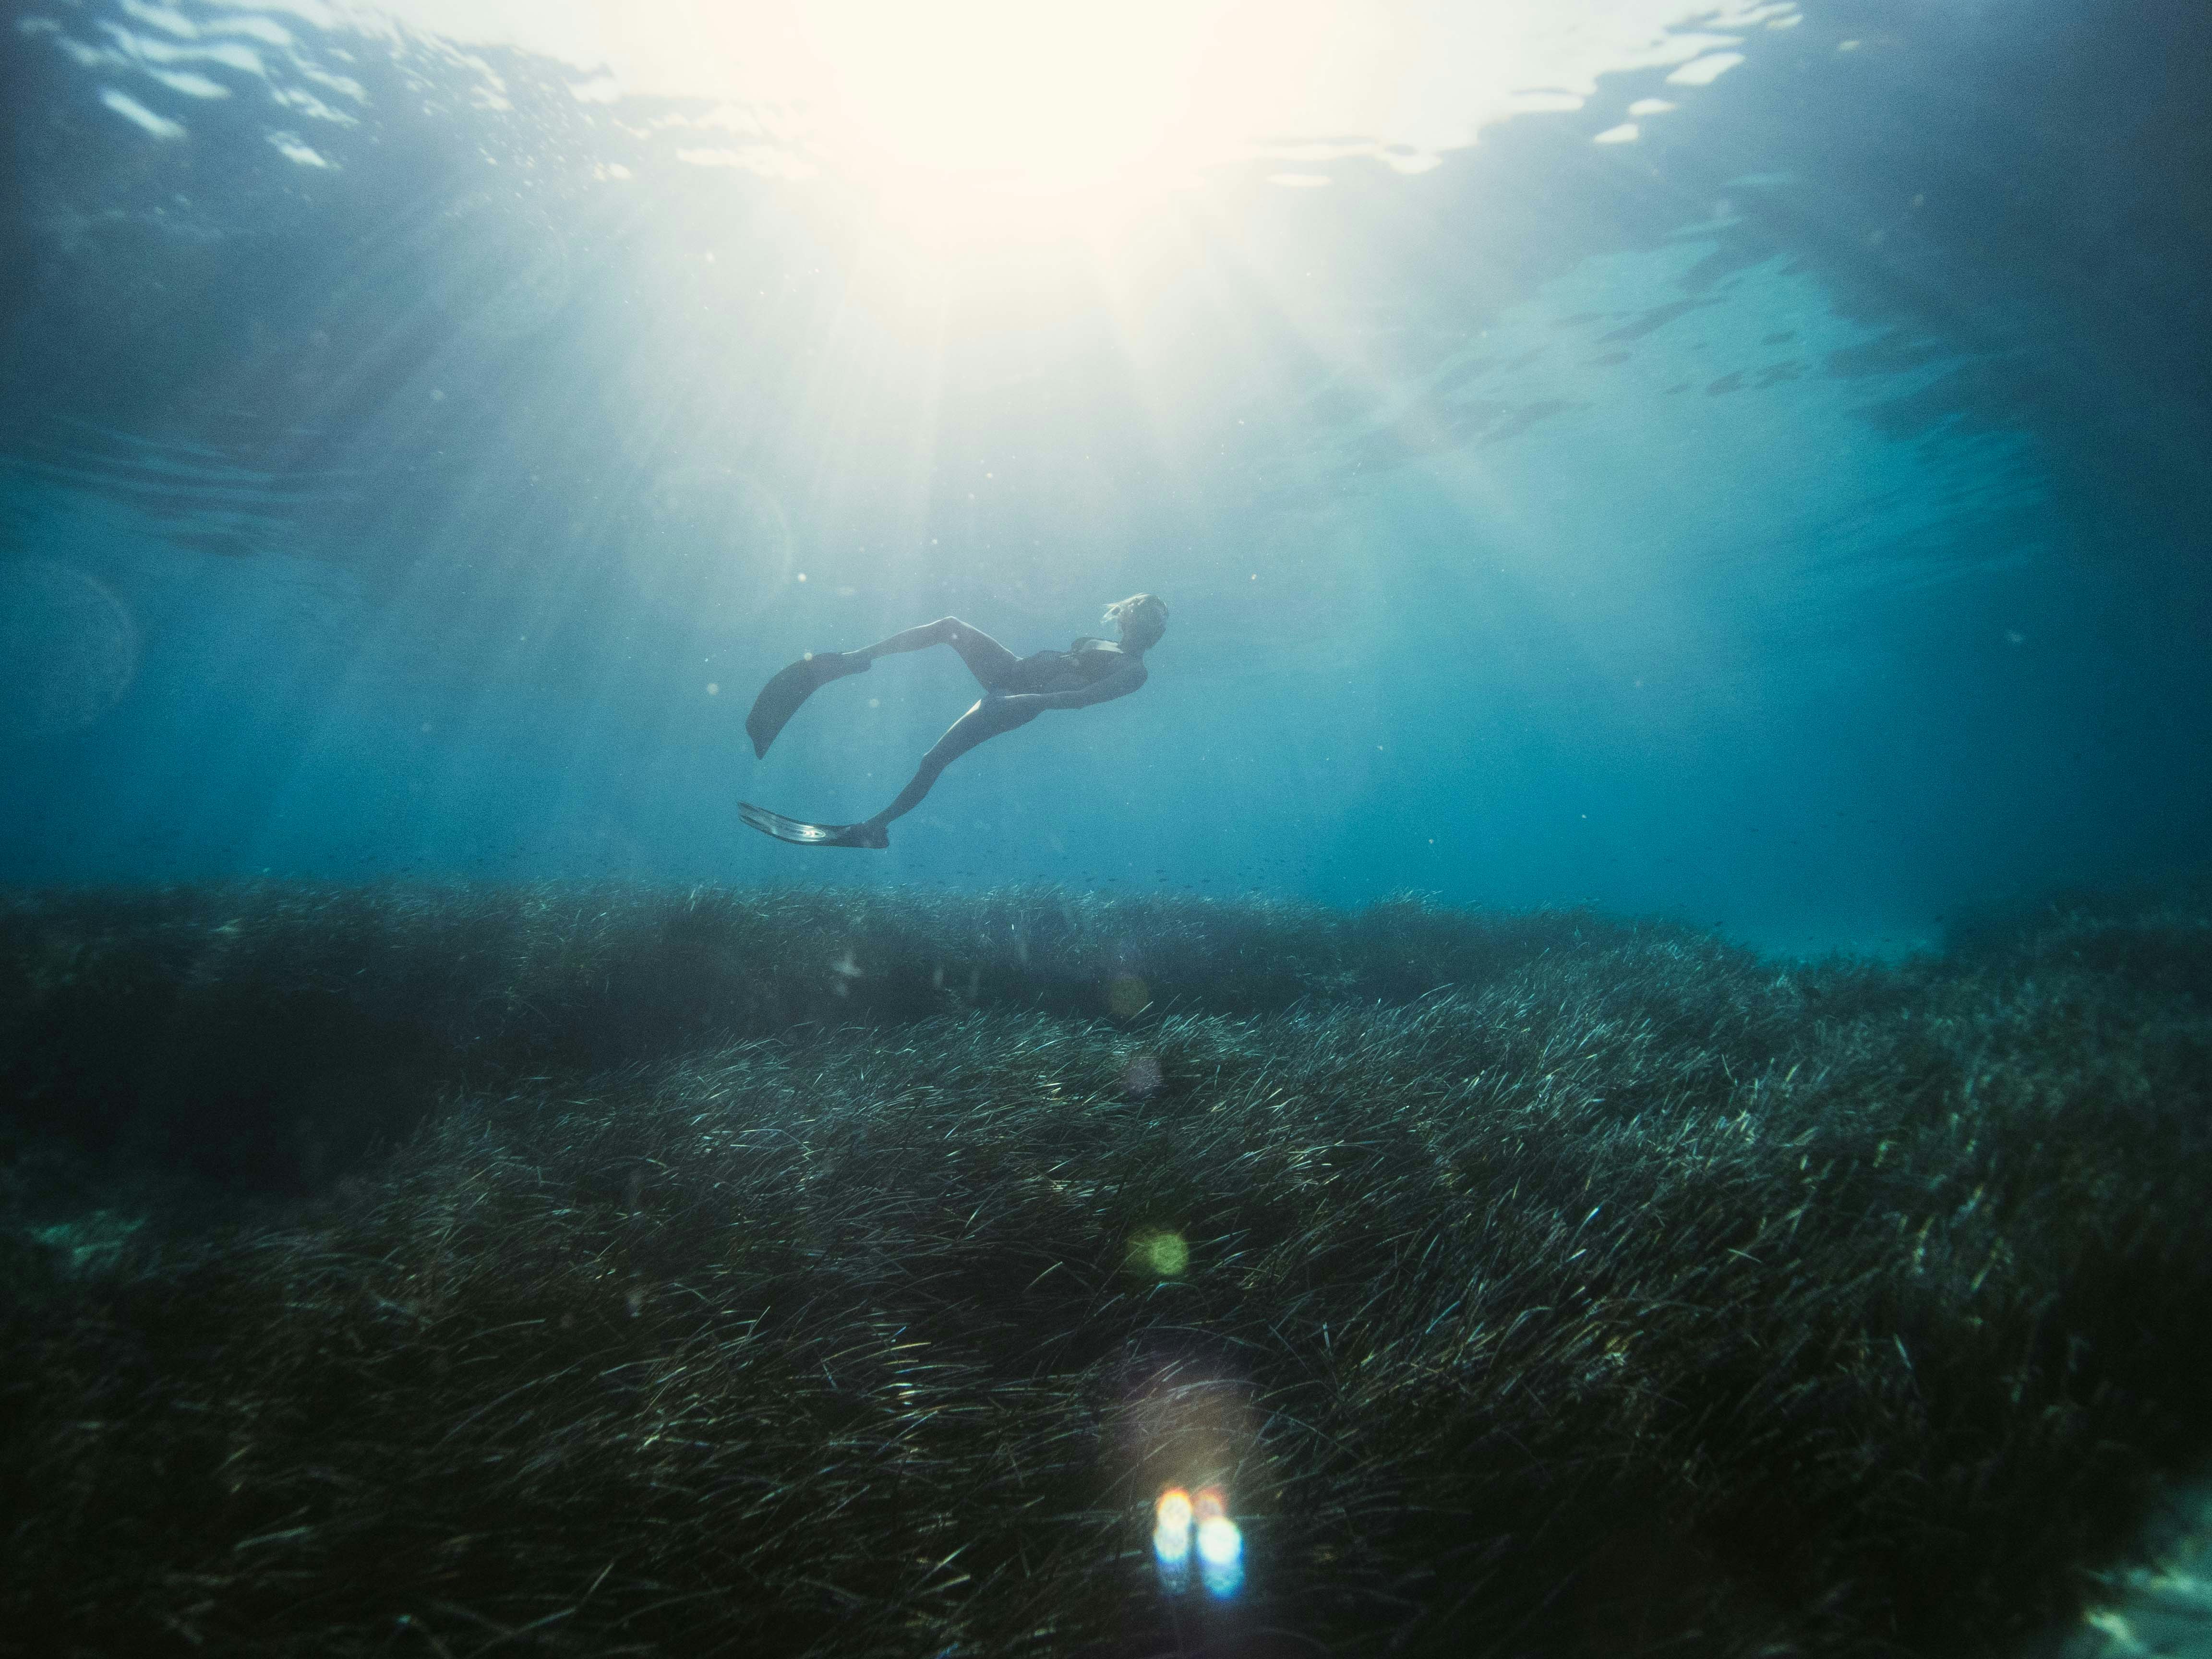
(618, 1271)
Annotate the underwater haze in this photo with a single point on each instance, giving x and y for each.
(1611, 1054)
(1760, 486)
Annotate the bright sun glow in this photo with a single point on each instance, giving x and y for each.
(1003, 115)
(962, 113)
(1036, 100)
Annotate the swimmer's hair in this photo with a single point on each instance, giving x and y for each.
(1142, 618)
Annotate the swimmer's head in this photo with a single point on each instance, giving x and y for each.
(1142, 618)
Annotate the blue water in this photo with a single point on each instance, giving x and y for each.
(1790, 521)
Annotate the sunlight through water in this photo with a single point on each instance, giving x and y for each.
(990, 117)
(1682, 726)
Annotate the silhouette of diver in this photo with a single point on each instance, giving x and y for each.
(1016, 690)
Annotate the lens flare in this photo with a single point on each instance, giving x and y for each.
(1172, 1518)
(1171, 1540)
(1183, 1526)
(1220, 1544)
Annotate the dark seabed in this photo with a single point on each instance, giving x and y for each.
(1612, 1056)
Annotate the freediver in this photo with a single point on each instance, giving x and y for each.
(1016, 690)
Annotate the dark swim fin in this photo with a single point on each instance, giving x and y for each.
(788, 688)
(810, 834)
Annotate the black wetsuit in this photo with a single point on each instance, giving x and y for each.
(1086, 662)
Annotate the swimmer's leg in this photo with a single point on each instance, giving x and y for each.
(780, 699)
(987, 659)
(987, 719)
(810, 835)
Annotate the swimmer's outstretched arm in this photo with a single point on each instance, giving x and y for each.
(1119, 683)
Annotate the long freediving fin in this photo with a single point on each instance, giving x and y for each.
(810, 834)
(787, 688)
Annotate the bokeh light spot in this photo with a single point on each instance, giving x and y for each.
(1171, 1539)
(68, 649)
(1128, 996)
(1220, 1543)
(1161, 1254)
(1184, 1527)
